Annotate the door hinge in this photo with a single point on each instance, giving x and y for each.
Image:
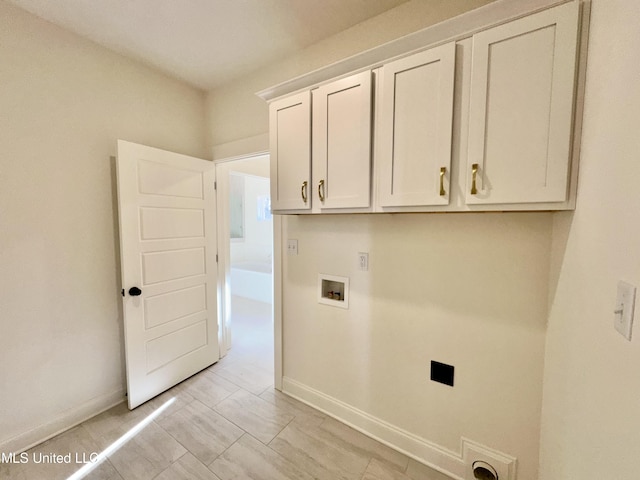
(122, 292)
(215, 185)
(216, 258)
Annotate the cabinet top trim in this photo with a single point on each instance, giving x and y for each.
(456, 28)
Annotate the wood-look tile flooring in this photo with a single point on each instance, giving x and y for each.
(227, 422)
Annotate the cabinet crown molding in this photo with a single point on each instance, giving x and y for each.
(453, 29)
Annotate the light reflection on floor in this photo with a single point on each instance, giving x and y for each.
(95, 461)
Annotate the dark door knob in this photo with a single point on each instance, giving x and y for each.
(134, 291)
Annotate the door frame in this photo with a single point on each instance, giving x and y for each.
(224, 267)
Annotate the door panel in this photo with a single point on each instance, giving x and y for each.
(166, 307)
(342, 143)
(162, 223)
(172, 265)
(416, 127)
(521, 108)
(172, 181)
(290, 145)
(168, 250)
(166, 349)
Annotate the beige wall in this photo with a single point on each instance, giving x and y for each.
(591, 419)
(235, 112)
(469, 290)
(464, 289)
(64, 102)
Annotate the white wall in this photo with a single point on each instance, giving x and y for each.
(257, 245)
(64, 102)
(255, 250)
(591, 417)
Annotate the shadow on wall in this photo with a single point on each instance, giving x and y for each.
(118, 269)
(562, 222)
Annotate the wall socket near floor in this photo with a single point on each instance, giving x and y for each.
(623, 313)
(483, 462)
(292, 246)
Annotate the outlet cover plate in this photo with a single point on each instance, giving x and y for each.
(503, 464)
(292, 246)
(623, 313)
(363, 261)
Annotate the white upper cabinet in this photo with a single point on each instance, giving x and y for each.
(342, 143)
(521, 109)
(413, 153)
(290, 145)
(484, 122)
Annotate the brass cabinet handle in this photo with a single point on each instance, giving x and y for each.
(442, 172)
(321, 190)
(303, 191)
(474, 174)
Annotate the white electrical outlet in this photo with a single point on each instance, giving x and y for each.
(363, 261)
(292, 247)
(623, 312)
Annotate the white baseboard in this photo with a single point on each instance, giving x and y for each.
(62, 422)
(428, 453)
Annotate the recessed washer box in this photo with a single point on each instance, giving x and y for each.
(333, 290)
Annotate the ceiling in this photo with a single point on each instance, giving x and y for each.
(206, 42)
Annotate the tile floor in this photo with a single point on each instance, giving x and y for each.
(227, 422)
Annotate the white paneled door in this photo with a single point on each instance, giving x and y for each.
(168, 253)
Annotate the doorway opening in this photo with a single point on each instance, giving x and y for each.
(246, 238)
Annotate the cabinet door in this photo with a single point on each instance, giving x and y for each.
(521, 109)
(290, 145)
(415, 125)
(342, 143)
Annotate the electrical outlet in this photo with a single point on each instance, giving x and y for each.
(625, 303)
(482, 462)
(442, 373)
(292, 247)
(363, 261)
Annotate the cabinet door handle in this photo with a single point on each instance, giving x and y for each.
(303, 191)
(321, 190)
(442, 172)
(474, 174)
